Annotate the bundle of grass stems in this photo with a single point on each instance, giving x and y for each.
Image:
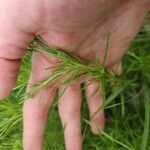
(72, 68)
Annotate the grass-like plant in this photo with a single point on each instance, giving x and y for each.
(68, 66)
(72, 69)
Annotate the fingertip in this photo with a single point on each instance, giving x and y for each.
(95, 100)
(98, 123)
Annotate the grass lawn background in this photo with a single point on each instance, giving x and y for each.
(128, 114)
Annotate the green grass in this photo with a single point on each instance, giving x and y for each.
(127, 106)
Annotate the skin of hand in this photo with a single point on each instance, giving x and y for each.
(80, 27)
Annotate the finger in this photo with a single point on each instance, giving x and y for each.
(116, 68)
(12, 47)
(95, 99)
(35, 109)
(69, 111)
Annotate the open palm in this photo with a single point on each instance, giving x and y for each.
(80, 27)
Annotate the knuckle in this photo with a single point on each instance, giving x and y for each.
(69, 112)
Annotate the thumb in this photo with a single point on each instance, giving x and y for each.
(13, 45)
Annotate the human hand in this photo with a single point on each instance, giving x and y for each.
(79, 27)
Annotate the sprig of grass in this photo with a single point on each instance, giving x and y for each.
(70, 68)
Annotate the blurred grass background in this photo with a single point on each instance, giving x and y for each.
(128, 114)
